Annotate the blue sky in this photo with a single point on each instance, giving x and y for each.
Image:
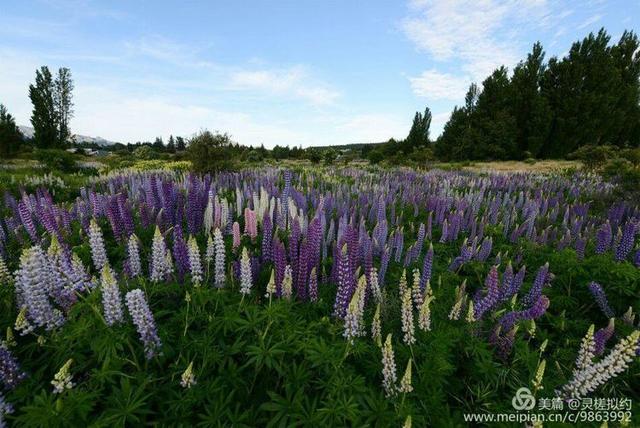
(279, 72)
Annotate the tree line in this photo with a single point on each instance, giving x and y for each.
(550, 109)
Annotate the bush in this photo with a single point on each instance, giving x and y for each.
(211, 152)
(145, 153)
(57, 160)
(592, 157)
(375, 156)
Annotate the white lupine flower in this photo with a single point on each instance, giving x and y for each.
(376, 327)
(210, 252)
(407, 422)
(389, 376)
(246, 281)
(402, 284)
(353, 321)
(375, 286)
(407, 318)
(160, 269)
(188, 379)
(587, 350)
(96, 242)
(219, 259)
(405, 382)
(271, 285)
(195, 264)
(461, 297)
(424, 314)
(287, 283)
(207, 221)
(135, 269)
(63, 379)
(591, 377)
(470, 313)
(415, 288)
(5, 276)
(537, 381)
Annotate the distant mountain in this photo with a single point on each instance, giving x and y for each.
(27, 131)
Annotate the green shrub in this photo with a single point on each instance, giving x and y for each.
(145, 153)
(211, 152)
(56, 160)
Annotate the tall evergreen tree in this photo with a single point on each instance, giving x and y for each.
(171, 145)
(180, 144)
(44, 118)
(419, 133)
(63, 99)
(10, 136)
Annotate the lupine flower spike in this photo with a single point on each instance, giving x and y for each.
(188, 379)
(63, 380)
(389, 376)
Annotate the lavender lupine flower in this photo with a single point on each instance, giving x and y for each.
(485, 249)
(626, 242)
(389, 376)
(491, 298)
(160, 268)
(111, 299)
(586, 380)
(602, 336)
(5, 409)
(96, 242)
(542, 277)
(34, 287)
(580, 245)
(267, 236)
(144, 322)
(246, 280)
(132, 264)
(10, 373)
(195, 263)
(603, 238)
(601, 299)
(220, 259)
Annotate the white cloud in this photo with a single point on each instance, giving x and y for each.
(433, 85)
(294, 82)
(369, 128)
(589, 21)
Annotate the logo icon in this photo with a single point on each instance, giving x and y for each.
(523, 400)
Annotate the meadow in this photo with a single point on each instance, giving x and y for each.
(316, 296)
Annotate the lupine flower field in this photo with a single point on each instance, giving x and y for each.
(321, 296)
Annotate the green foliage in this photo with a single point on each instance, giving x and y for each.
(314, 155)
(330, 156)
(44, 116)
(593, 157)
(211, 152)
(588, 98)
(57, 160)
(419, 133)
(10, 136)
(145, 153)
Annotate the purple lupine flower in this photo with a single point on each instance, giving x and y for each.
(485, 249)
(27, 220)
(626, 242)
(542, 277)
(426, 268)
(534, 312)
(180, 253)
(313, 285)
(445, 231)
(491, 298)
(384, 263)
(580, 245)
(10, 373)
(267, 233)
(343, 295)
(637, 258)
(144, 322)
(603, 238)
(601, 299)
(602, 336)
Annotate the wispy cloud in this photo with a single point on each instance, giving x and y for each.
(292, 82)
(589, 21)
(433, 85)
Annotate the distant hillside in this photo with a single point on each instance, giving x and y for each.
(27, 131)
(356, 146)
